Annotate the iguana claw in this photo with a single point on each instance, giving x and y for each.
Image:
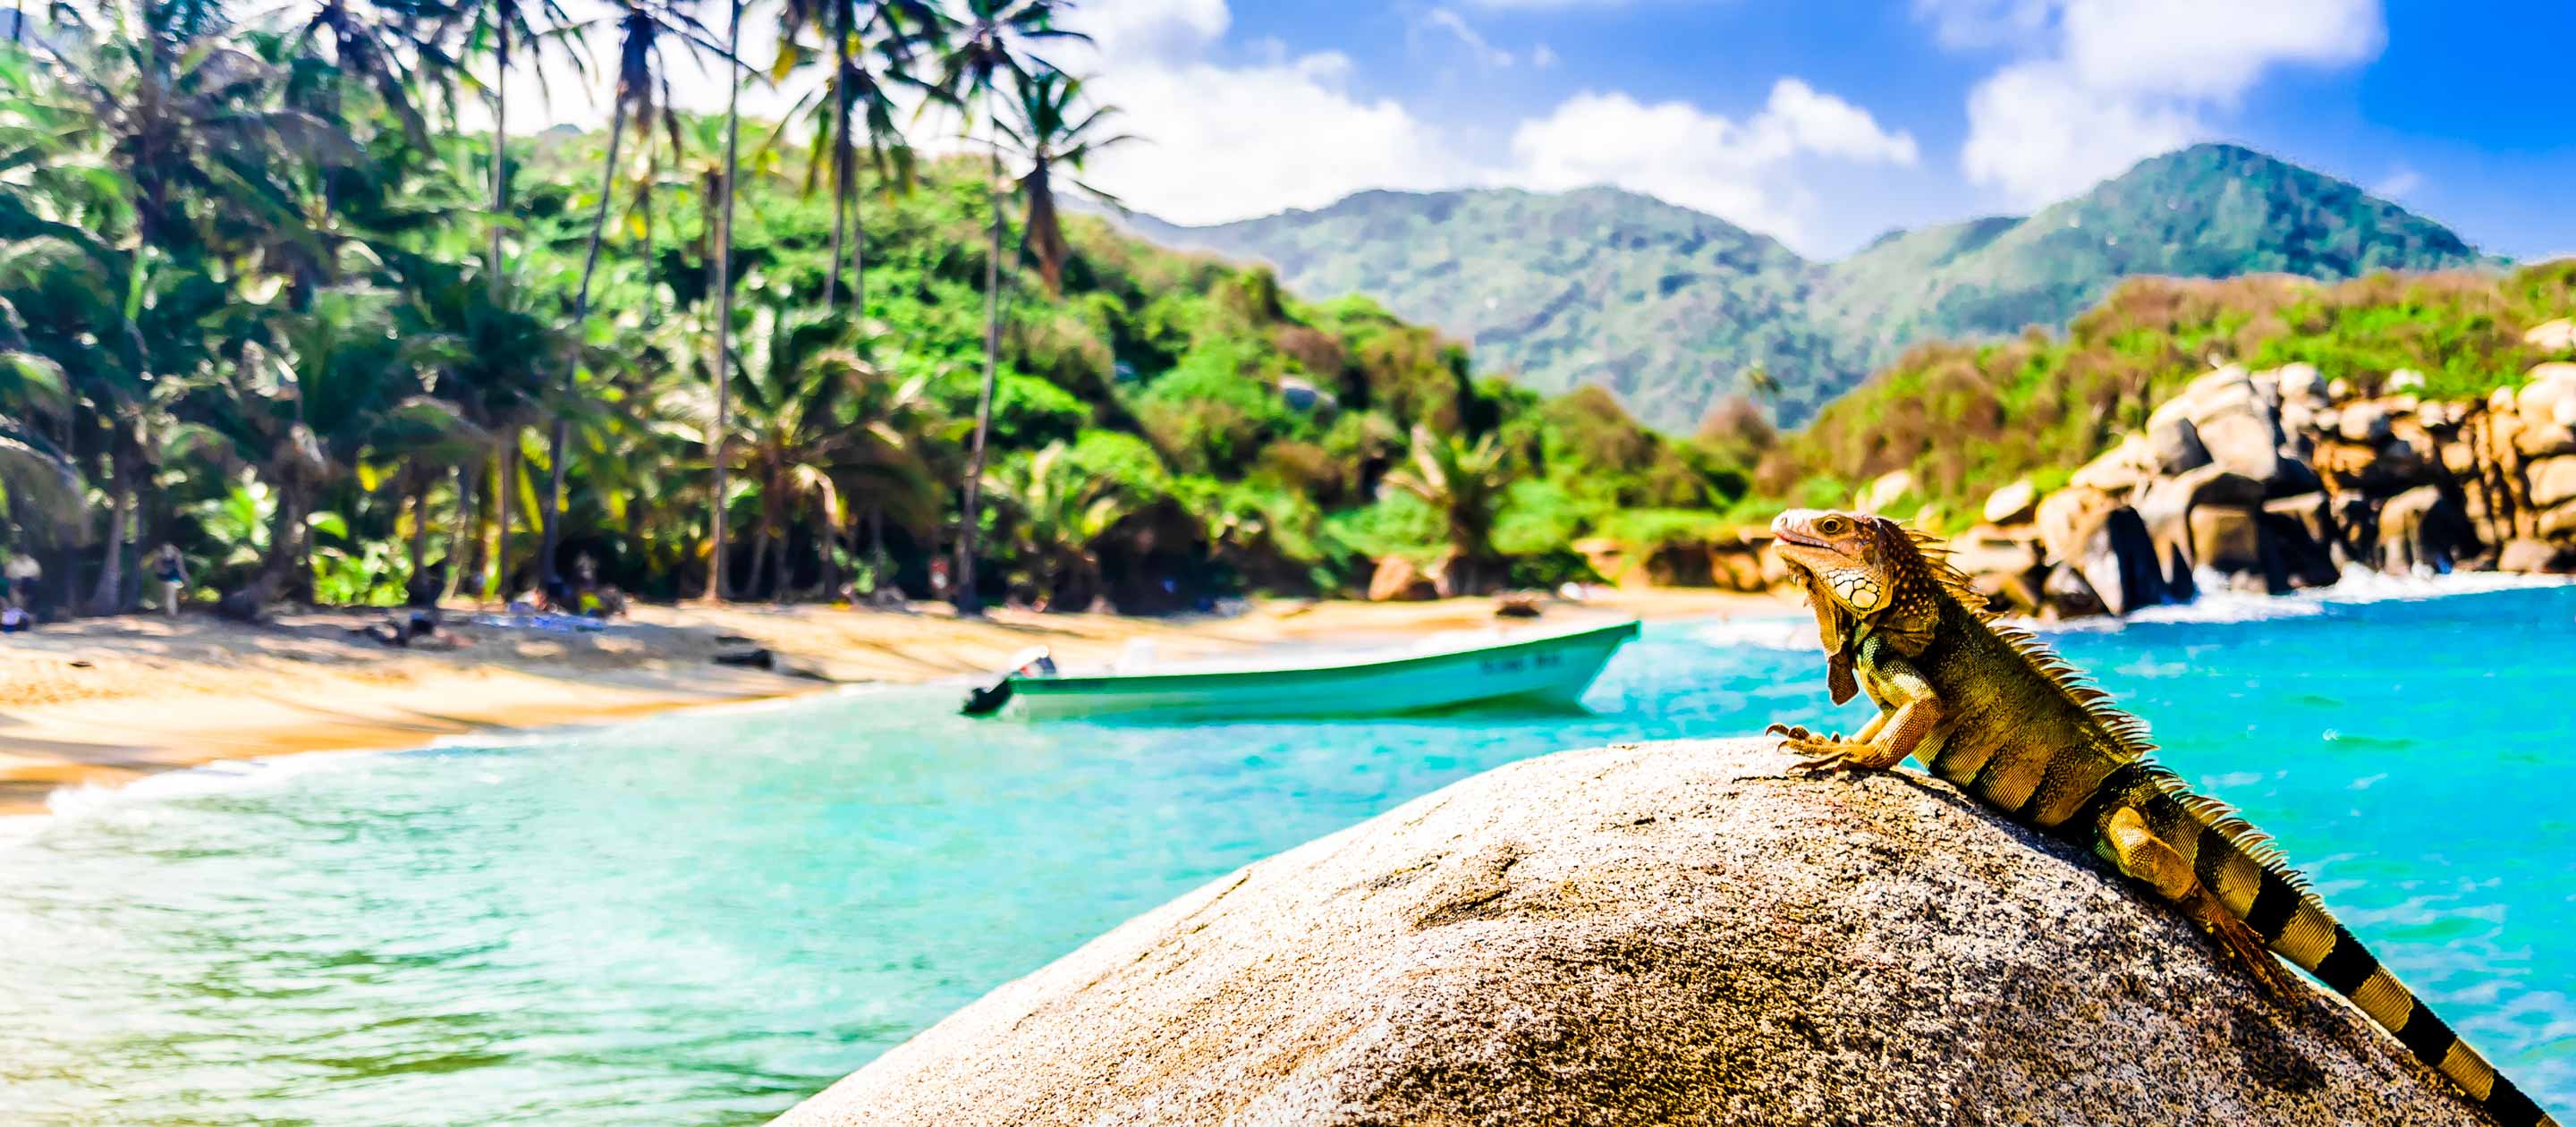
(1789, 731)
(1832, 753)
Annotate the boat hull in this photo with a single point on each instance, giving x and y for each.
(1546, 669)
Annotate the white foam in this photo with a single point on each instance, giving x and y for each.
(2358, 585)
(219, 777)
(1761, 633)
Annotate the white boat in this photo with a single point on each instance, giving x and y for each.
(1538, 666)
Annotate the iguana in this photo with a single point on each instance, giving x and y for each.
(1991, 710)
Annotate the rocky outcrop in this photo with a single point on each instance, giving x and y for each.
(1675, 933)
(2279, 480)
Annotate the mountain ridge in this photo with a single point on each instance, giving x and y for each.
(1667, 306)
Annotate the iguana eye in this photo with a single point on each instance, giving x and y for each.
(1830, 526)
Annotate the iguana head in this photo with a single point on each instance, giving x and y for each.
(1863, 575)
(1841, 557)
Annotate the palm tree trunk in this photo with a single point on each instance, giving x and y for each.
(505, 483)
(722, 368)
(778, 568)
(111, 577)
(876, 548)
(500, 145)
(966, 602)
(559, 441)
(418, 556)
(827, 536)
(759, 560)
(456, 543)
(840, 151)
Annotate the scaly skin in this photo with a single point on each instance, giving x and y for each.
(1992, 711)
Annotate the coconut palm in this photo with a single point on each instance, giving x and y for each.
(497, 29)
(785, 432)
(873, 46)
(992, 43)
(1054, 131)
(39, 486)
(641, 98)
(388, 46)
(304, 400)
(1056, 513)
(1464, 483)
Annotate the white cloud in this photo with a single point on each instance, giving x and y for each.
(1137, 31)
(1442, 19)
(2212, 49)
(2042, 134)
(1543, 57)
(1222, 140)
(1678, 152)
(2399, 184)
(2104, 83)
(1984, 23)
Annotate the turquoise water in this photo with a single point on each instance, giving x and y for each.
(700, 919)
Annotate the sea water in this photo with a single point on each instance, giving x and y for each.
(702, 918)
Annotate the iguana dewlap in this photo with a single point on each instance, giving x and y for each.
(1991, 710)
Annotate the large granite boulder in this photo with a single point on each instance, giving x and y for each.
(1397, 579)
(2553, 480)
(1667, 934)
(2016, 503)
(2423, 531)
(2126, 466)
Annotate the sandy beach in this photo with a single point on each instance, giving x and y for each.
(104, 701)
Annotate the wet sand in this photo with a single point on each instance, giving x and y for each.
(104, 701)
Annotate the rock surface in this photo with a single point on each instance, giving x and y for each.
(1673, 933)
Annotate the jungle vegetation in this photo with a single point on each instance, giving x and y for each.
(266, 294)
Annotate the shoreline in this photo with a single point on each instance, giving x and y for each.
(104, 702)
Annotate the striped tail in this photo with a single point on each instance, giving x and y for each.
(2247, 873)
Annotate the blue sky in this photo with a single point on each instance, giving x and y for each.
(1828, 121)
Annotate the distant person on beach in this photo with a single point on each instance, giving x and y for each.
(171, 568)
(23, 574)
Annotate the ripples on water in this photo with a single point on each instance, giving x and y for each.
(700, 919)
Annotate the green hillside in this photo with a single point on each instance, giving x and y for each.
(1660, 304)
(1667, 307)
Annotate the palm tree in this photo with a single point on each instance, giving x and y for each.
(375, 44)
(993, 42)
(39, 486)
(1057, 514)
(785, 434)
(722, 361)
(300, 406)
(1054, 130)
(508, 349)
(494, 27)
(1464, 483)
(856, 88)
(641, 97)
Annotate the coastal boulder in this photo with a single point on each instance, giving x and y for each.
(1885, 492)
(2422, 532)
(2534, 557)
(1665, 934)
(2553, 480)
(1398, 579)
(2169, 509)
(2013, 504)
(2123, 467)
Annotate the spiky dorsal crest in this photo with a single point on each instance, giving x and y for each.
(1930, 558)
(2125, 730)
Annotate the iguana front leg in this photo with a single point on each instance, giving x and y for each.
(1911, 712)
